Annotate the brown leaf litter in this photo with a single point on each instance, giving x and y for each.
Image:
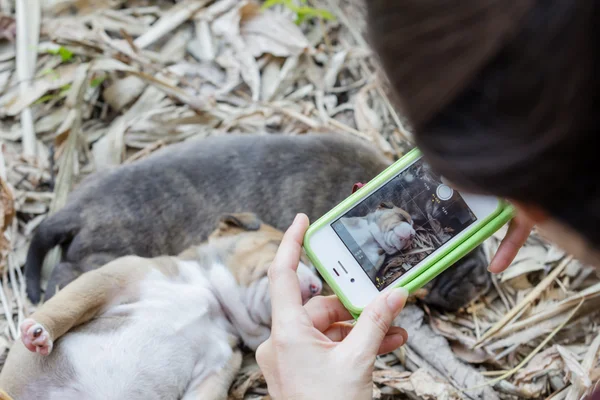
(95, 83)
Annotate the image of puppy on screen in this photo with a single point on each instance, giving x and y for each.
(403, 222)
(387, 230)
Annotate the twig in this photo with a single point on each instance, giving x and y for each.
(28, 15)
(533, 353)
(175, 17)
(8, 314)
(525, 302)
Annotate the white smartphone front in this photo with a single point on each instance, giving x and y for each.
(388, 237)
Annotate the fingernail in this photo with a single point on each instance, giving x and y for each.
(297, 218)
(396, 299)
(403, 341)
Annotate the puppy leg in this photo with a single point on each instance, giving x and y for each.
(63, 274)
(66, 272)
(81, 301)
(215, 386)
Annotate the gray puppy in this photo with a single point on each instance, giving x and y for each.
(171, 200)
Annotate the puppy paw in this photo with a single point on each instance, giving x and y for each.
(35, 337)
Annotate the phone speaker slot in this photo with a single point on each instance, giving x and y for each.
(341, 265)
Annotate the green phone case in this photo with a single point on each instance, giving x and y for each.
(473, 236)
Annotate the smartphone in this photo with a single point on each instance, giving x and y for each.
(403, 228)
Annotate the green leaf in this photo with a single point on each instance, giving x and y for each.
(309, 12)
(303, 12)
(97, 81)
(45, 99)
(271, 3)
(64, 53)
(62, 93)
(65, 89)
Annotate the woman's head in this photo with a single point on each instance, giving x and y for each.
(502, 97)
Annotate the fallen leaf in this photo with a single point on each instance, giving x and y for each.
(575, 372)
(269, 32)
(419, 383)
(228, 27)
(123, 92)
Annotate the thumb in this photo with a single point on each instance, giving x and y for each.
(375, 321)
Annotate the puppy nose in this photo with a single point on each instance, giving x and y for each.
(314, 289)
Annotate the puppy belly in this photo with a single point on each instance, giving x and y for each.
(174, 334)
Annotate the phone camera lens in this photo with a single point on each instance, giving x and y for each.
(352, 280)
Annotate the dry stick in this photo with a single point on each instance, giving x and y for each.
(500, 292)
(525, 302)
(169, 21)
(533, 353)
(7, 312)
(558, 308)
(28, 14)
(12, 266)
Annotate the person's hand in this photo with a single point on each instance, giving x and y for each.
(312, 353)
(518, 232)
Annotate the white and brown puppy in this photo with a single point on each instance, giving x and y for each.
(387, 230)
(154, 328)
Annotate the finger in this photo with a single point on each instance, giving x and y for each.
(375, 322)
(516, 236)
(286, 297)
(395, 337)
(392, 342)
(325, 311)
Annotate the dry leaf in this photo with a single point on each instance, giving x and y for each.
(419, 383)
(123, 92)
(469, 355)
(272, 33)
(228, 27)
(575, 372)
(540, 367)
(335, 65)
(169, 21)
(14, 102)
(203, 47)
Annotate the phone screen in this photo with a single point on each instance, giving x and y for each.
(402, 223)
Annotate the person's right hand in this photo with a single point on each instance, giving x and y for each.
(519, 230)
(313, 353)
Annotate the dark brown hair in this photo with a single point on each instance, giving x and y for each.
(502, 95)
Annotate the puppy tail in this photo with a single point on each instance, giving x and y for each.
(55, 230)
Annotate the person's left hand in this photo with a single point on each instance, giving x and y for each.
(312, 353)
(519, 230)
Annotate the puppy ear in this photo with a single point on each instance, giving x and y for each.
(243, 221)
(386, 204)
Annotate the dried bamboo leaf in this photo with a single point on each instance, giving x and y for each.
(526, 301)
(575, 372)
(227, 26)
(419, 383)
(269, 32)
(122, 92)
(334, 67)
(169, 21)
(15, 102)
(203, 47)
